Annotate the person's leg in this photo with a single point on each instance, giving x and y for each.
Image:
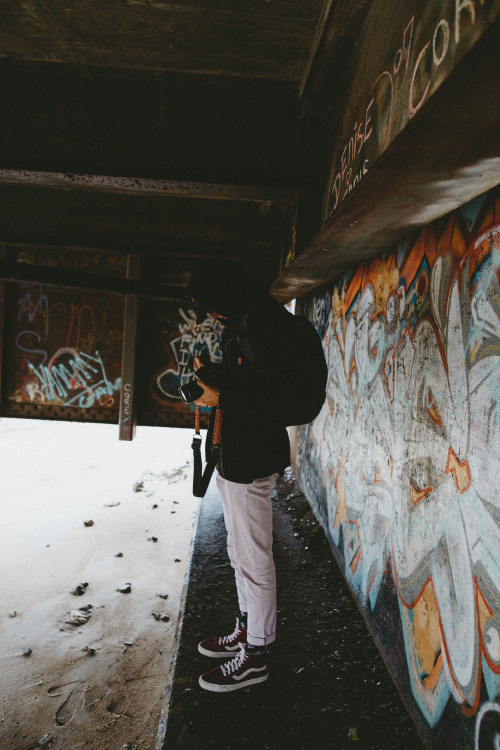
(228, 506)
(250, 540)
(249, 524)
(227, 645)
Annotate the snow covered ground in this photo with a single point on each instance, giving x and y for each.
(81, 685)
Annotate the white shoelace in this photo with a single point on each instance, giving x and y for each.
(229, 638)
(234, 664)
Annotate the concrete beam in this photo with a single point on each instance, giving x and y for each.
(130, 185)
(447, 154)
(28, 273)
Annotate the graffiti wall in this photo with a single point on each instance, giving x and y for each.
(62, 348)
(175, 339)
(402, 464)
(64, 352)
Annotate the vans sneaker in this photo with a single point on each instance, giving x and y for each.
(225, 645)
(244, 670)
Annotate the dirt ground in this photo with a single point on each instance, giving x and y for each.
(82, 664)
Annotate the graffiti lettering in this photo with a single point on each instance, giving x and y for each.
(127, 388)
(443, 27)
(195, 338)
(415, 107)
(73, 375)
(406, 48)
(73, 379)
(460, 6)
(81, 328)
(442, 30)
(32, 311)
(363, 130)
(26, 348)
(407, 79)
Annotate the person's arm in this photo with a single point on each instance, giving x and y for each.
(210, 395)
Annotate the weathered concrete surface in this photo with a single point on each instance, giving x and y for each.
(419, 133)
(327, 679)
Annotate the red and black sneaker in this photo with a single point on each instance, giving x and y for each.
(224, 646)
(244, 670)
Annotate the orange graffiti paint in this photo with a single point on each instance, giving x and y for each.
(460, 470)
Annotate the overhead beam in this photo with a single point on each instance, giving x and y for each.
(30, 247)
(446, 155)
(138, 222)
(247, 39)
(188, 129)
(27, 273)
(131, 185)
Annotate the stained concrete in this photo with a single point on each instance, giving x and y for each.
(328, 687)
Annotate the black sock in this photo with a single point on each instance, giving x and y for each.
(251, 649)
(243, 620)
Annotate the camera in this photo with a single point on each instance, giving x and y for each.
(209, 373)
(191, 391)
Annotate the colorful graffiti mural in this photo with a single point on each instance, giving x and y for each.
(402, 463)
(63, 355)
(193, 340)
(65, 348)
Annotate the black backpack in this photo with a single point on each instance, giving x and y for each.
(309, 372)
(298, 351)
(304, 369)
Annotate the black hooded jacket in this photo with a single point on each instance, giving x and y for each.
(252, 377)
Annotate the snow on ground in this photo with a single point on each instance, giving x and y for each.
(82, 686)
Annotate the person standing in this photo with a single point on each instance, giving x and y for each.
(250, 393)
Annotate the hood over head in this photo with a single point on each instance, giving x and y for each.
(224, 287)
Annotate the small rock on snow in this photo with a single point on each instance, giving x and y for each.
(80, 589)
(77, 617)
(161, 616)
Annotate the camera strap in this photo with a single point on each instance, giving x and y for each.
(201, 479)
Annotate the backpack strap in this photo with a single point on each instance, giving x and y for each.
(201, 479)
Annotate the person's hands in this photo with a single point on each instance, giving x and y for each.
(210, 396)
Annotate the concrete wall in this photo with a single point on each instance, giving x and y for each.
(402, 466)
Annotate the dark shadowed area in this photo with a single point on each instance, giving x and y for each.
(328, 686)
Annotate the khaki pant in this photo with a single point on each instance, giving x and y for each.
(249, 524)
